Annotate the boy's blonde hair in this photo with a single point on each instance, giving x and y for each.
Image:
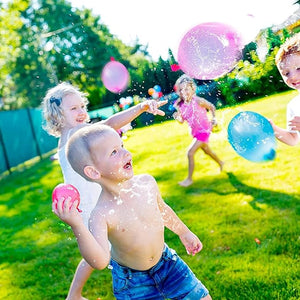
(80, 145)
(185, 79)
(52, 111)
(290, 46)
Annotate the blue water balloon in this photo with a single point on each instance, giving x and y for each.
(252, 136)
(157, 88)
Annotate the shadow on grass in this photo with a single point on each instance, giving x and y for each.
(218, 185)
(271, 198)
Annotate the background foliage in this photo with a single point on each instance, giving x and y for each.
(44, 42)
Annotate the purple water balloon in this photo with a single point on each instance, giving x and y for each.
(209, 50)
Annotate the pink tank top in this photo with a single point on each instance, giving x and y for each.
(196, 116)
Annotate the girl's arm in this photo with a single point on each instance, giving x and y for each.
(209, 106)
(95, 252)
(177, 115)
(122, 118)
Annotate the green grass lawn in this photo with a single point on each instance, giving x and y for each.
(228, 211)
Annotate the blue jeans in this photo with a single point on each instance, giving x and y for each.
(170, 278)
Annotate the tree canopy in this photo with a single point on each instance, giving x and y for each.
(48, 41)
(44, 42)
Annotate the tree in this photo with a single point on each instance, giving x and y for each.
(54, 42)
(75, 45)
(59, 43)
(10, 39)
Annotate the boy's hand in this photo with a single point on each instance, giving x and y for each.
(66, 210)
(151, 106)
(191, 243)
(295, 123)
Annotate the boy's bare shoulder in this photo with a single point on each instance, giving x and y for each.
(144, 178)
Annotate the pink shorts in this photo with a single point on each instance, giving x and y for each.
(202, 136)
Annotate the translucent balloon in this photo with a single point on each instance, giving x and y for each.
(63, 190)
(252, 136)
(151, 91)
(115, 77)
(209, 50)
(155, 95)
(157, 88)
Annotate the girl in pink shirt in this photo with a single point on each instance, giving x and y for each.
(193, 110)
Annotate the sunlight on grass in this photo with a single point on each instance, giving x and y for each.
(33, 234)
(247, 217)
(7, 276)
(4, 211)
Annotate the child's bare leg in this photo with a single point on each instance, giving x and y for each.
(82, 274)
(207, 150)
(195, 145)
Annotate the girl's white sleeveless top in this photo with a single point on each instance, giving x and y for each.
(89, 191)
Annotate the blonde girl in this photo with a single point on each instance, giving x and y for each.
(65, 111)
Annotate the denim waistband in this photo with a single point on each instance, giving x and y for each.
(167, 254)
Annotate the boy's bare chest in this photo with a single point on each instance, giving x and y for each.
(135, 214)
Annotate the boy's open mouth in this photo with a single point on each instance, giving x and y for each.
(128, 165)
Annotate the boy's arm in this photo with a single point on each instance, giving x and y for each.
(295, 123)
(190, 241)
(285, 136)
(96, 254)
(122, 118)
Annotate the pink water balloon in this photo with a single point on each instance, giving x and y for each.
(209, 50)
(64, 190)
(115, 77)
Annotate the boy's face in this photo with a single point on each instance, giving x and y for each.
(74, 110)
(112, 160)
(289, 69)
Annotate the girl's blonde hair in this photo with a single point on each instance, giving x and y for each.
(290, 46)
(185, 79)
(52, 110)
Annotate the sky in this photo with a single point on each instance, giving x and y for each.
(161, 24)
